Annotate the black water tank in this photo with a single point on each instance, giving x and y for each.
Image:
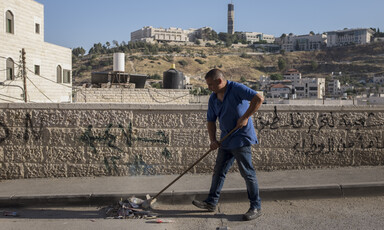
(173, 79)
(138, 79)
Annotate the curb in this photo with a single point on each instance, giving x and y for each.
(183, 197)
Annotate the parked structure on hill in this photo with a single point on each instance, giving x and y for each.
(306, 42)
(43, 72)
(349, 37)
(150, 34)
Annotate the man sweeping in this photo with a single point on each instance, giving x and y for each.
(233, 104)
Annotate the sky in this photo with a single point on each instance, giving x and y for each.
(82, 23)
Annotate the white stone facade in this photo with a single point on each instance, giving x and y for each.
(306, 87)
(349, 36)
(257, 37)
(303, 42)
(334, 87)
(160, 34)
(48, 66)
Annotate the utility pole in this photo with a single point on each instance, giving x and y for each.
(24, 74)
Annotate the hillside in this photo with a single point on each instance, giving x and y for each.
(359, 62)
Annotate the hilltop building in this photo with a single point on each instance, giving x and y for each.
(48, 67)
(349, 37)
(257, 37)
(306, 42)
(150, 34)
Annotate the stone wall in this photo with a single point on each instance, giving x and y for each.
(133, 96)
(68, 140)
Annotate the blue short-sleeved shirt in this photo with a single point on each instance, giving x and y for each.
(236, 102)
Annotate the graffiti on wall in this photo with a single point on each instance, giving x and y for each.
(29, 132)
(312, 140)
(109, 139)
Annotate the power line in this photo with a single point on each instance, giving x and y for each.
(39, 89)
(48, 78)
(11, 97)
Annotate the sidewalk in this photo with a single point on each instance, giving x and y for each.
(290, 184)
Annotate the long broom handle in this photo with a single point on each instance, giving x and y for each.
(190, 167)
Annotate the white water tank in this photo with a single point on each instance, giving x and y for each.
(118, 62)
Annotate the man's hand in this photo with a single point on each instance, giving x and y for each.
(214, 145)
(241, 122)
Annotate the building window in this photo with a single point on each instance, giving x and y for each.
(59, 74)
(37, 28)
(66, 76)
(37, 69)
(10, 69)
(9, 22)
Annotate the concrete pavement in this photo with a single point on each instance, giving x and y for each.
(289, 184)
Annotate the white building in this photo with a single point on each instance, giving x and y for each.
(349, 36)
(306, 87)
(293, 75)
(257, 37)
(48, 67)
(151, 34)
(306, 42)
(334, 87)
(280, 91)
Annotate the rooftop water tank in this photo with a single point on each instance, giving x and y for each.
(173, 79)
(138, 79)
(118, 62)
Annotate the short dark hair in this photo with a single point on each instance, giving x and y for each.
(215, 74)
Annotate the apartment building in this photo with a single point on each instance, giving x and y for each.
(378, 80)
(151, 34)
(306, 87)
(307, 42)
(334, 87)
(349, 37)
(280, 91)
(48, 66)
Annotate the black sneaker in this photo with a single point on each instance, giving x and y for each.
(252, 214)
(204, 205)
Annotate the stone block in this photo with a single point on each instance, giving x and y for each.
(64, 155)
(86, 170)
(13, 171)
(23, 154)
(278, 138)
(44, 170)
(160, 119)
(190, 137)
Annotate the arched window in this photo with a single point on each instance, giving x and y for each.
(59, 74)
(10, 69)
(9, 22)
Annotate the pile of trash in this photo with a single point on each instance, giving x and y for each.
(129, 209)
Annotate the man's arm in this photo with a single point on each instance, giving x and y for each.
(254, 105)
(212, 135)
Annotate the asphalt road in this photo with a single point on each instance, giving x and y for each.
(341, 213)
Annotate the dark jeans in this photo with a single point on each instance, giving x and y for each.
(224, 161)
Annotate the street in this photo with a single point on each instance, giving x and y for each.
(336, 213)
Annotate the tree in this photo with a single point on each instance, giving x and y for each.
(116, 43)
(312, 33)
(314, 65)
(281, 64)
(276, 76)
(79, 51)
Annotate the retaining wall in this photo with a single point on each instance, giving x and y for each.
(68, 140)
